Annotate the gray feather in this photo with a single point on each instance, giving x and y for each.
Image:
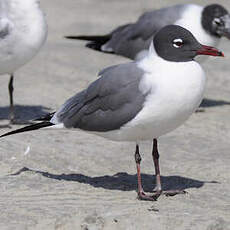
(4, 32)
(130, 39)
(108, 103)
(5, 23)
(4, 28)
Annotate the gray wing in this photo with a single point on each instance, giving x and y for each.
(130, 39)
(108, 103)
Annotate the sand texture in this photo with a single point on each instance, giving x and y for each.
(70, 180)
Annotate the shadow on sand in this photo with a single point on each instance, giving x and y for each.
(123, 181)
(211, 103)
(24, 112)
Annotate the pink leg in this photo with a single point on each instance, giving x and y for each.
(158, 189)
(141, 193)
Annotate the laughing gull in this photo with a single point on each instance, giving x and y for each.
(140, 100)
(208, 24)
(23, 31)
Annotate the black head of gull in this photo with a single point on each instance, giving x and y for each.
(216, 20)
(174, 43)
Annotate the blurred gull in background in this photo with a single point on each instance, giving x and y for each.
(23, 31)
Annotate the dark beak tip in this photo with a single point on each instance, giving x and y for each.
(221, 54)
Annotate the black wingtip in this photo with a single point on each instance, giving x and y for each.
(95, 38)
(29, 128)
(46, 117)
(94, 46)
(81, 37)
(72, 37)
(94, 41)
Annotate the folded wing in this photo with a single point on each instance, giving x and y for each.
(108, 103)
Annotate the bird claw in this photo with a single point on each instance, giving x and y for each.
(146, 197)
(173, 192)
(156, 194)
(143, 196)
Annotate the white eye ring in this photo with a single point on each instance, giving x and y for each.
(217, 21)
(177, 43)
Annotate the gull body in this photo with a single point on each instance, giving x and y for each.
(165, 107)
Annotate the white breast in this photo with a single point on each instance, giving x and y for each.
(176, 91)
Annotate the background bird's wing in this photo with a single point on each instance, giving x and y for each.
(130, 39)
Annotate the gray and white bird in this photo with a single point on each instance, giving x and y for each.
(23, 31)
(140, 100)
(208, 24)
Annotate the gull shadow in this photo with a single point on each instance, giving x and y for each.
(24, 112)
(123, 181)
(211, 103)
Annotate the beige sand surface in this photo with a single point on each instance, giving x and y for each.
(69, 180)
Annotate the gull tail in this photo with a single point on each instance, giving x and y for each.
(29, 128)
(47, 117)
(95, 42)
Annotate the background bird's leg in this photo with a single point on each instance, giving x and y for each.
(141, 193)
(11, 89)
(12, 118)
(158, 188)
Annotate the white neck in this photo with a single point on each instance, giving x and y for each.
(154, 65)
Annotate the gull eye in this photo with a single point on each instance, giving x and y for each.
(177, 43)
(218, 22)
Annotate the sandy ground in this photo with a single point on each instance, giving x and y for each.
(67, 180)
